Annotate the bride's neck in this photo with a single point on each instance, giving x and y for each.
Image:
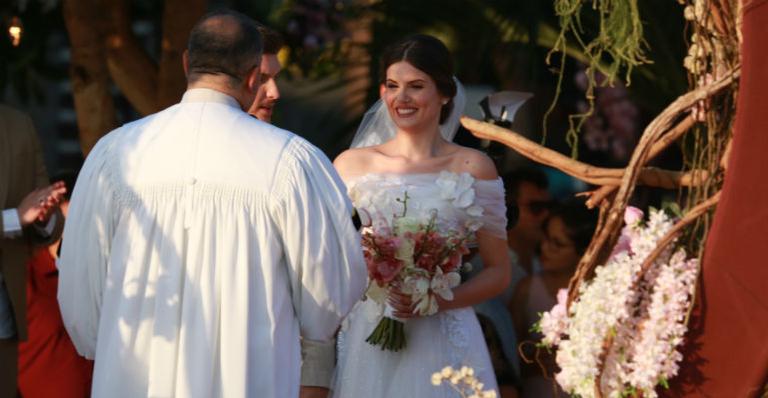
(419, 146)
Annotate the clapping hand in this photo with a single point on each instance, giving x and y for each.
(38, 204)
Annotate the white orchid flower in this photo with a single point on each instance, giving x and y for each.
(426, 306)
(442, 284)
(417, 286)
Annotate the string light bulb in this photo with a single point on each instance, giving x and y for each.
(15, 30)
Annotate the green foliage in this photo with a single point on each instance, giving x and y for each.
(615, 46)
(536, 327)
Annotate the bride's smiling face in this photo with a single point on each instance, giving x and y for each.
(411, 97)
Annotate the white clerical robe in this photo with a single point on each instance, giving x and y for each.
(200, 244)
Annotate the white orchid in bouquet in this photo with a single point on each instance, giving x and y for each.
(644, 318)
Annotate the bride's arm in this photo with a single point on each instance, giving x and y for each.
(495, 276)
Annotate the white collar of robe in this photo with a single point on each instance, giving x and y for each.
(209, 95)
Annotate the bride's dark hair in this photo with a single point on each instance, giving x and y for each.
(429, 55)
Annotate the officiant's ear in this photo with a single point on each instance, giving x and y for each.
(185, 62)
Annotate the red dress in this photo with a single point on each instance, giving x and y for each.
(726, 354)
(49, 365)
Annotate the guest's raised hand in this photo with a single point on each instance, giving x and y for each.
(38, 204)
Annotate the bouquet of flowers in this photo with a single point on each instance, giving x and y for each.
(411, 255)
(644, 317)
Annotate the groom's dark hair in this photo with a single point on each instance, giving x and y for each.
(271, 39)
(224, 42)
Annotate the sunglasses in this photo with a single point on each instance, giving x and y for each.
(537, 207)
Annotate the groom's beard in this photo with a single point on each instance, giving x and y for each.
(263, 110)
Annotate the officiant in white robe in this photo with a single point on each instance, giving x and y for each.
(201, 243)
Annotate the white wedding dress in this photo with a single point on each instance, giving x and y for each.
(449, 338)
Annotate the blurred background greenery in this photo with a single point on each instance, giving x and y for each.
(331, 67)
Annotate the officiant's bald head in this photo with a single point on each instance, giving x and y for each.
(224, 47)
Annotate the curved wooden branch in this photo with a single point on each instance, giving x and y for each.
(594, 198)
(689, 217)
(672, 135)
(590, 174)
(651, 143)
(692, 179)
(537, 152)
(601, 245)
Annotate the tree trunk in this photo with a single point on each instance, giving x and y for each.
(94, 106)
(179, 16)
(129, 65)
(357, 68)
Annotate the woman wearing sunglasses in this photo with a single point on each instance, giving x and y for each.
(567, 232)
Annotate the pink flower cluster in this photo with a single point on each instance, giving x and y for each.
(381, 257)
(410, 252)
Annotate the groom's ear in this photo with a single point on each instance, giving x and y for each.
(253, 79)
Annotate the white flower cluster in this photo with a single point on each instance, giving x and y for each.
(646, 324)
(463, 381)
(655, 356)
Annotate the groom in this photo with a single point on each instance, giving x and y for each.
(203, 243)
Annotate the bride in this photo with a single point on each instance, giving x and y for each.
(404, 146)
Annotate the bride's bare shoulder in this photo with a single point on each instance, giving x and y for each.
(356, 161)
(474, 162)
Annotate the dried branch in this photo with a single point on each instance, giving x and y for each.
(689, 217)
(590, 174)
(601, 245)
(539, 153)
(598, 195)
